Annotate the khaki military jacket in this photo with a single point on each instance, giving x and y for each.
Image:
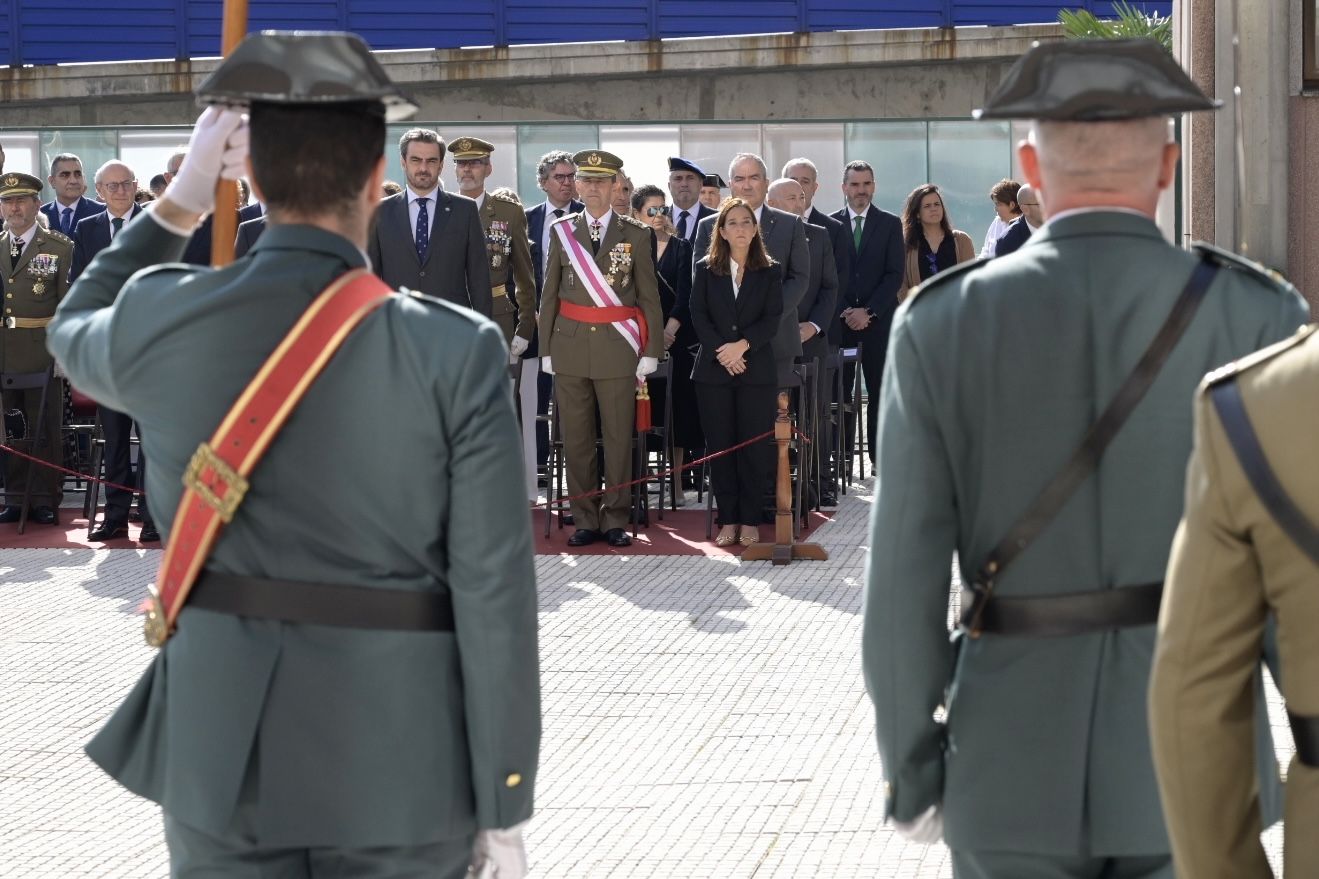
(598, 350)
(509, 251)
(1232, 567)
(33, 288)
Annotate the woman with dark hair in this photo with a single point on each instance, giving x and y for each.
(737, 298)
(673, 263)
(932, 243)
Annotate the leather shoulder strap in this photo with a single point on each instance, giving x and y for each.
(216, 478)
(1085, 460)
(1226, 396)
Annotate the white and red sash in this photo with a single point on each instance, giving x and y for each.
(632, 329)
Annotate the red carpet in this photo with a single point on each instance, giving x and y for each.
(680, 533)
(71, 533)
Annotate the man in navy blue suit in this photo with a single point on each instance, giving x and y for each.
(69, 205)
(871, 297)
(116, 185)
(556, 175)
(685, 187)
(1020, 230)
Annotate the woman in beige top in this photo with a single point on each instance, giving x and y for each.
(932, 243)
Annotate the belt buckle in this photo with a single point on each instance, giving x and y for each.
(155, 628)
(971, 621)
(235, 485)
(11, 322)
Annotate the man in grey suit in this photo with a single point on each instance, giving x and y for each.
(1025, 745)
(426, 239)
(400, 740)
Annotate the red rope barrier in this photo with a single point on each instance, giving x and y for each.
(65, 470)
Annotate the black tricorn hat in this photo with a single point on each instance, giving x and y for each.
(1095, 81)
(304, 67)
(714, 180)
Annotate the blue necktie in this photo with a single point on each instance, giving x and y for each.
(66, 221)
(423, 226)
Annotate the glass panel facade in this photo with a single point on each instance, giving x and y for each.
(535, 141)
(644, 149)
(23, 153)
(147, 152)
(899, 153)
(94, 146)
(822, 143)
(711, 147)
(966, 159)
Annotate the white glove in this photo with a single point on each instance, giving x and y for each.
(545, 365)
(927, 828)
(647, 365)
(499, 853)
(519, 346)
(217, 149)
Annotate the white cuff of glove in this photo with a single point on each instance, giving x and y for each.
(546, 366)
(646, 366)
(519, 346)
(926, 828)
(217, 150)
(500, 853)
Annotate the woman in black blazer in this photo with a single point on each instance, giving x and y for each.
(736, 301)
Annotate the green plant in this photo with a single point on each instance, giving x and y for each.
(1081, 24)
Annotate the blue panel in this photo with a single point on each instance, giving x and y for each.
(398, 24)
(702, 18)
(6, 35)
(576, 21)
(996, 12)
(848, 15)
(124, 31)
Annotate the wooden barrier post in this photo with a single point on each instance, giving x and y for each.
(783, 550)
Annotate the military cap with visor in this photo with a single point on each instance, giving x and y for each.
(15, 184)
(465, 148)
(1095, 81)
(315, 68)
(597, 163)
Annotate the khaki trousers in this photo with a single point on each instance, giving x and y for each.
(578, 400)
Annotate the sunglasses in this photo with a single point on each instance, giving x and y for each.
(661, 211)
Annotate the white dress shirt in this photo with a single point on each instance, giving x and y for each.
(414, 209)
(691, 213)
(734, 268)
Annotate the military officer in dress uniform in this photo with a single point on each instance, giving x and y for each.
(36, 267)
(279, 735)
(1025, 744)
(601, 330)
(1247, 549)
(512, 278)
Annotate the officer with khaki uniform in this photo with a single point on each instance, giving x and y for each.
(1247, 549)
(592, 362)
(35, 262)
(512, 279)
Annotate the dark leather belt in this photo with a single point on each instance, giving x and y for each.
(1305, 730)
(322, 604)
(1077, 613)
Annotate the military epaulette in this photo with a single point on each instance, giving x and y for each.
(1263, 355)
(633, 220)
(58, 236)
(1231, 260)
(499, 196)
(947, 274)
(565, 217)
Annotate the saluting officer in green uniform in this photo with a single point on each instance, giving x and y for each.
(1038, 764)
(374, 747)
(592, 361)
(35, 262)
(1247, 549)
(512, 280)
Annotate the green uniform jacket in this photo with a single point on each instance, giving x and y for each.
(599, 350)
(509, 251)
(994, 375)
(398, 470)
(33, 288)
(1232, 566)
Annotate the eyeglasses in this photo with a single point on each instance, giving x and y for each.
(1028, 204)
(661, 211)
(120, 185)
(562, 178)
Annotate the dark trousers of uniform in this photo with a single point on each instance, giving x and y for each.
(731, 414)
(874, 346)
(118, 429)
(578, 399)
(544, 391)
(47, 484)
(1014, 865)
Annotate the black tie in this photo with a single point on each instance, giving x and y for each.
(118, 224)
(559, 212)
(682, 225)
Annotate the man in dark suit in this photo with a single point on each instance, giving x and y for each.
(69, 205)
(803, 170)
(427, 239)
(248, 233)
(116, 185)
(1020, 229)
(685, 188)
(556, 174)
(877, 261)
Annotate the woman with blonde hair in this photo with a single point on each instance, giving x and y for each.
(932, 243)
(736, 301)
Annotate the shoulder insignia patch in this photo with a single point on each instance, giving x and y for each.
(57, 236)
(1263, 355)
(1236, 261)
(939, 279)
(633, 220)
(505, 198)
(564, 218)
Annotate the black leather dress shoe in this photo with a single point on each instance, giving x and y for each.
(135, 515)
(828, 499)
(583, 537)
(9, 514)
(109, 530)
(44, 516)
(618, 537)
(149, 534)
